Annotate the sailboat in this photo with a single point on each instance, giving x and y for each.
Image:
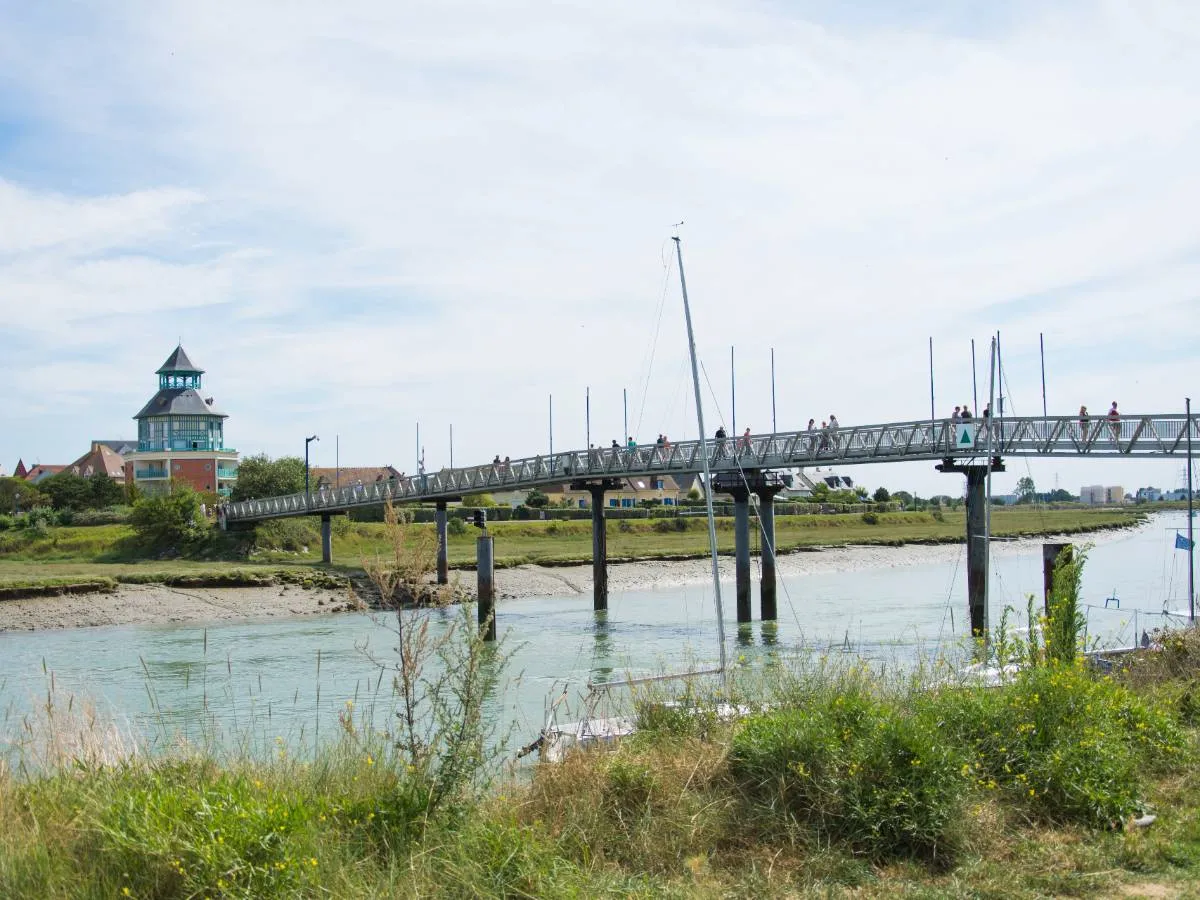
(555, 739)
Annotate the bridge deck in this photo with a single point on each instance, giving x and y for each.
(1142, 437)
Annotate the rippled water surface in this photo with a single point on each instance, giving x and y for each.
(257, 681)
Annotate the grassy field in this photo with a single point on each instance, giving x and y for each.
(104, 551)
(847, 785)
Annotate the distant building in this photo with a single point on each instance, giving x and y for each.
(41, 473)
(99, 459)
(327, 477)
(632, 491)
(1179, 494)
(1148, 495)
(20, 471)
(181, 435)
(1099, 495)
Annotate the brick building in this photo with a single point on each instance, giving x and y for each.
(181, 435)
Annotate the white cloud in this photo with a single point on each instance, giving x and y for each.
(445, 212)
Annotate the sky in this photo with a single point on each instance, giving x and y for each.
(362, 216)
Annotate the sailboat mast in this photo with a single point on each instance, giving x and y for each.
(987, 499)
(708, 485)
(1191, 538)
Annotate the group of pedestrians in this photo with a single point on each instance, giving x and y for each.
(1113, 418)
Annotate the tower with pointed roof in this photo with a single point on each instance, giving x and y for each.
(181, 435)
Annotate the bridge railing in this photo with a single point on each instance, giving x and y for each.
(1146, 436)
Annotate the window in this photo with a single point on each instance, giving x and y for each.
(208, 467)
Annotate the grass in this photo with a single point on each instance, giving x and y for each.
(844, 783)
(105, 551)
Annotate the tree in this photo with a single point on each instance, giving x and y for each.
(105, 492)
(860, 492)
(168, 521)
(17, 495)
(67, 491)
(1058, 495)
(472, 501)
(1026, 490)
(882, 495)
(905, 499)
(260, 476)
(536, 499)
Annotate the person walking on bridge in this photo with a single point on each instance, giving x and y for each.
(1084, 419)
(1114, 421)
(720, 438)
(745, 445)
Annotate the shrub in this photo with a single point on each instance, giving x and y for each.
(455, 525)
(170, 521)
(870, 518)
(536, 499)
(858, 770)
(288, 535)
(39, 519)
(1068, 745)
(6, 522)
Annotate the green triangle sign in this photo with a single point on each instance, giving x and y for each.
(965, 439)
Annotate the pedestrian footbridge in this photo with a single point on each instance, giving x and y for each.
(1130, 437)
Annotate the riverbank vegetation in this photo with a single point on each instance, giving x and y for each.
(837, 779)
(844, 782)
(114, 551)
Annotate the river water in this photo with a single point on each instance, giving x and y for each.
(257, 683)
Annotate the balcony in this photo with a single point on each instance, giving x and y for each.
(182, 444)
(225, 473)
(148, 474)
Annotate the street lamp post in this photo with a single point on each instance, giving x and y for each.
(307, 441)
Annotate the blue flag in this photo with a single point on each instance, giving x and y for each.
(1182, 543)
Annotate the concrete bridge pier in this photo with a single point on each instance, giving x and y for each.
(977, 548)
(326, 538)
(768, 608)
(599, 538)
(443, 558)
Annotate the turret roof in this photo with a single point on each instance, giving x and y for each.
(179, 402)
(178, 362)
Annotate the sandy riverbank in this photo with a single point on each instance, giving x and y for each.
(159, 604)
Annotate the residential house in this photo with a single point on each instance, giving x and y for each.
(41, 473)
(99, 459)
(322, 477)
(632, 491)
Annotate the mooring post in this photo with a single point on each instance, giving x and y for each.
(326, 539)
(599, 548)
(443, 558)
(977, 539)
(486, 586)
(768, 608)
(1050, 557)
(741, 547)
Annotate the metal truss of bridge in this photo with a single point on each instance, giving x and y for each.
(1141, 437)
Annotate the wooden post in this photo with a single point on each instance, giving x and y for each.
(443, 559)
(326, 539)
(599, 548)
(486, 586)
